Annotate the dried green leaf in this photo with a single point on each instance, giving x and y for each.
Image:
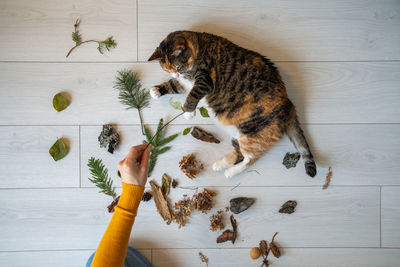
(60, 101)
(186, 131)
(176, 104)
(204, 112)
(166, 184)
(58, 150)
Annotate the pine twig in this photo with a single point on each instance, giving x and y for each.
(100, 177)
(77, 38)
(131, 92)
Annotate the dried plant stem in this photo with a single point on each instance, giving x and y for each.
(171, 120)
(88, 41)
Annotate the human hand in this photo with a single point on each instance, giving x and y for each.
(134, 167)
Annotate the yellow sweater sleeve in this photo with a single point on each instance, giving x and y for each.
(112, 248)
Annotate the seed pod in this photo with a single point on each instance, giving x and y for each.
(264, 248)
(255, 253)
(274, 249)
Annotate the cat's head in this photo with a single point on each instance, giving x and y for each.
(176, 53)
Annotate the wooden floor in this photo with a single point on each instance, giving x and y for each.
(340, 61)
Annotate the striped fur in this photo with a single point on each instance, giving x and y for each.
(244, 89)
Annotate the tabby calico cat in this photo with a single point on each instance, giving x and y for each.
(244, 89)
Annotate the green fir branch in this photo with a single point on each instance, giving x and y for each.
(157, 142)
(101, 45)
(100, 177)
(131, 93)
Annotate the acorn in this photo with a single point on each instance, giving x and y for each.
(255, 253)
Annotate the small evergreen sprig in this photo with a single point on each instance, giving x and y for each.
(101, 45)
(158, 143)
(100, 177)
(131, 92)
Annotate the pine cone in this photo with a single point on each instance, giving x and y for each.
(147, 196)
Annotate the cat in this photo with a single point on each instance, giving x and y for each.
(242, 87)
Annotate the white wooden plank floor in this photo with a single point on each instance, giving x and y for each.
(341, 64)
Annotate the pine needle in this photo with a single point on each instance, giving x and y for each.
(131, 93)
(100, 177)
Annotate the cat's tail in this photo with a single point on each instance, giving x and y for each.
(298, 139)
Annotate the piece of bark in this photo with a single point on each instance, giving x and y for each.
(162, 205)
(328, 178)
(111, 207)
(109, 138)
(203, 135)
(240, 204)
(290, 160)
(288, 207)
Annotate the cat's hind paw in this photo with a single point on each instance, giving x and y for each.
(155, 92)
(220, 165)
(188, 115)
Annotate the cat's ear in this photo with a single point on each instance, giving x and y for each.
(156, 54)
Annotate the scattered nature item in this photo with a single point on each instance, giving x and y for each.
(290, 160)
(131, 93)
(176, 104)
(216, 221)
(77, 38)
(165, 184)
(229, 235)
(264, 249)
(58, 150)
(174, 183)
(255, 253)
(157, 142)
(203, 135)
(61, 101)
(101, 179)
(203, 201)
(186, 131)
(288, 207)
(111, 207)
(162, 204)
(204, 112)
(203, 258)
(182, 210)
(190, 166)
(147, 196)
(109, 138)
(240, 204)
(328, 178)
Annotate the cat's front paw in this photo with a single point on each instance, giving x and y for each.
(155, 92)
(188, 115)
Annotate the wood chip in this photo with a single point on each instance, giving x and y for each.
(203, 135)
(162, 205)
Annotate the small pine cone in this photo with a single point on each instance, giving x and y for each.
(174, 183)
(147, 196)
(274, 249)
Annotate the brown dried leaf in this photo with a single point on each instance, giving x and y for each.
(275, 250)
(161, 203)
(227, 235)
(203, 135)
(264, 248)
(190, 166)
(328, 178)
(203, 258)
(166, 184)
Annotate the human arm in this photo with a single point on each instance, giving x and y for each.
(112, 248)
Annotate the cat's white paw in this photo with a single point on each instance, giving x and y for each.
(155, 93)
(219, 165)
(188, 115)
(236, 169)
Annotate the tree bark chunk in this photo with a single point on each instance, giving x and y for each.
(202, 135)
(162, 205)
